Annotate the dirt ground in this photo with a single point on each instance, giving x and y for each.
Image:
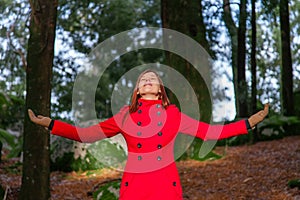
(259, 172)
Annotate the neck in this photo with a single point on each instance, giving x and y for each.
(149, 97)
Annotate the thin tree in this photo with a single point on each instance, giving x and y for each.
(286, 61)
(253, 65)
(36, 169)
(238, 55)
(241, 67)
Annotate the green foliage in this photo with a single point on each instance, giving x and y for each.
(16, 149)
(197, 153)
(273, 127)
(2, 192)
(88, 162)
(68, 162)
(198, 150)
(294, 183)
(11, 109)
(10, 116)
(67, 155)
(210, 156)
(7, 138)
(108, 191)
(277, 126)
(13, 40)
(235, 141)
(109, 153)
(297, 105)
(13, 144)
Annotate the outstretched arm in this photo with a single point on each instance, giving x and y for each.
(217, 132)
(107, 128)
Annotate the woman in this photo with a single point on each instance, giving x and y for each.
(149, 125)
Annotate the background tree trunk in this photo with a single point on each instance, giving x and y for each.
(286, 58)
(253, 66)
(237, 37)
(233, 33)
(186, 17)
(36, 169)
(241, 79)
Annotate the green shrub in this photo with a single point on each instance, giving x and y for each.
(294, 183)
(108, 191)
(67, 155)
(2, 192)
(277, 126)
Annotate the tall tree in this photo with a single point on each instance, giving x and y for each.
(186, 17)
(241, 68)
(237, 36)
(36, 169)
(286, 61)
(253, 64)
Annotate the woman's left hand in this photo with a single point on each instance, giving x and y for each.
(259, 116)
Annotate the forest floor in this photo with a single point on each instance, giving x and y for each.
(260, 171)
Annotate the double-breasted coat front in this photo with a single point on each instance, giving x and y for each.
(150, 172)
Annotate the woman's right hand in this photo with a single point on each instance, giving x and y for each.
(40, 120)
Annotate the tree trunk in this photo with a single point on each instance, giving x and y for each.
(237, 36)
(286, 58)
(253, 66)
(186, 17)
(242, 84)
(232, 30)
(36, 169)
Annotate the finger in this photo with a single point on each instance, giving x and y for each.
(266, 108)
(40, 116)
(31, 114)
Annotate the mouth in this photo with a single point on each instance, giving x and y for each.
(147, 84)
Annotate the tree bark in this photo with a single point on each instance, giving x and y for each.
(36, 169)
(232, 30)
(242, 84)
(237, 36)
(286, 58)
(253, 66)
(186, 17)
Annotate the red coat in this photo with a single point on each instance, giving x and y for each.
(150, 172)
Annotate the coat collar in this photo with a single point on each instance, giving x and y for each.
(149, 102)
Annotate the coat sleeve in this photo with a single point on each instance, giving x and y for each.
(206, 131)
(105, 129)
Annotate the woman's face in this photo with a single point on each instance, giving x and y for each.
(149, 86)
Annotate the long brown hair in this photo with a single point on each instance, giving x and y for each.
(135, 96)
